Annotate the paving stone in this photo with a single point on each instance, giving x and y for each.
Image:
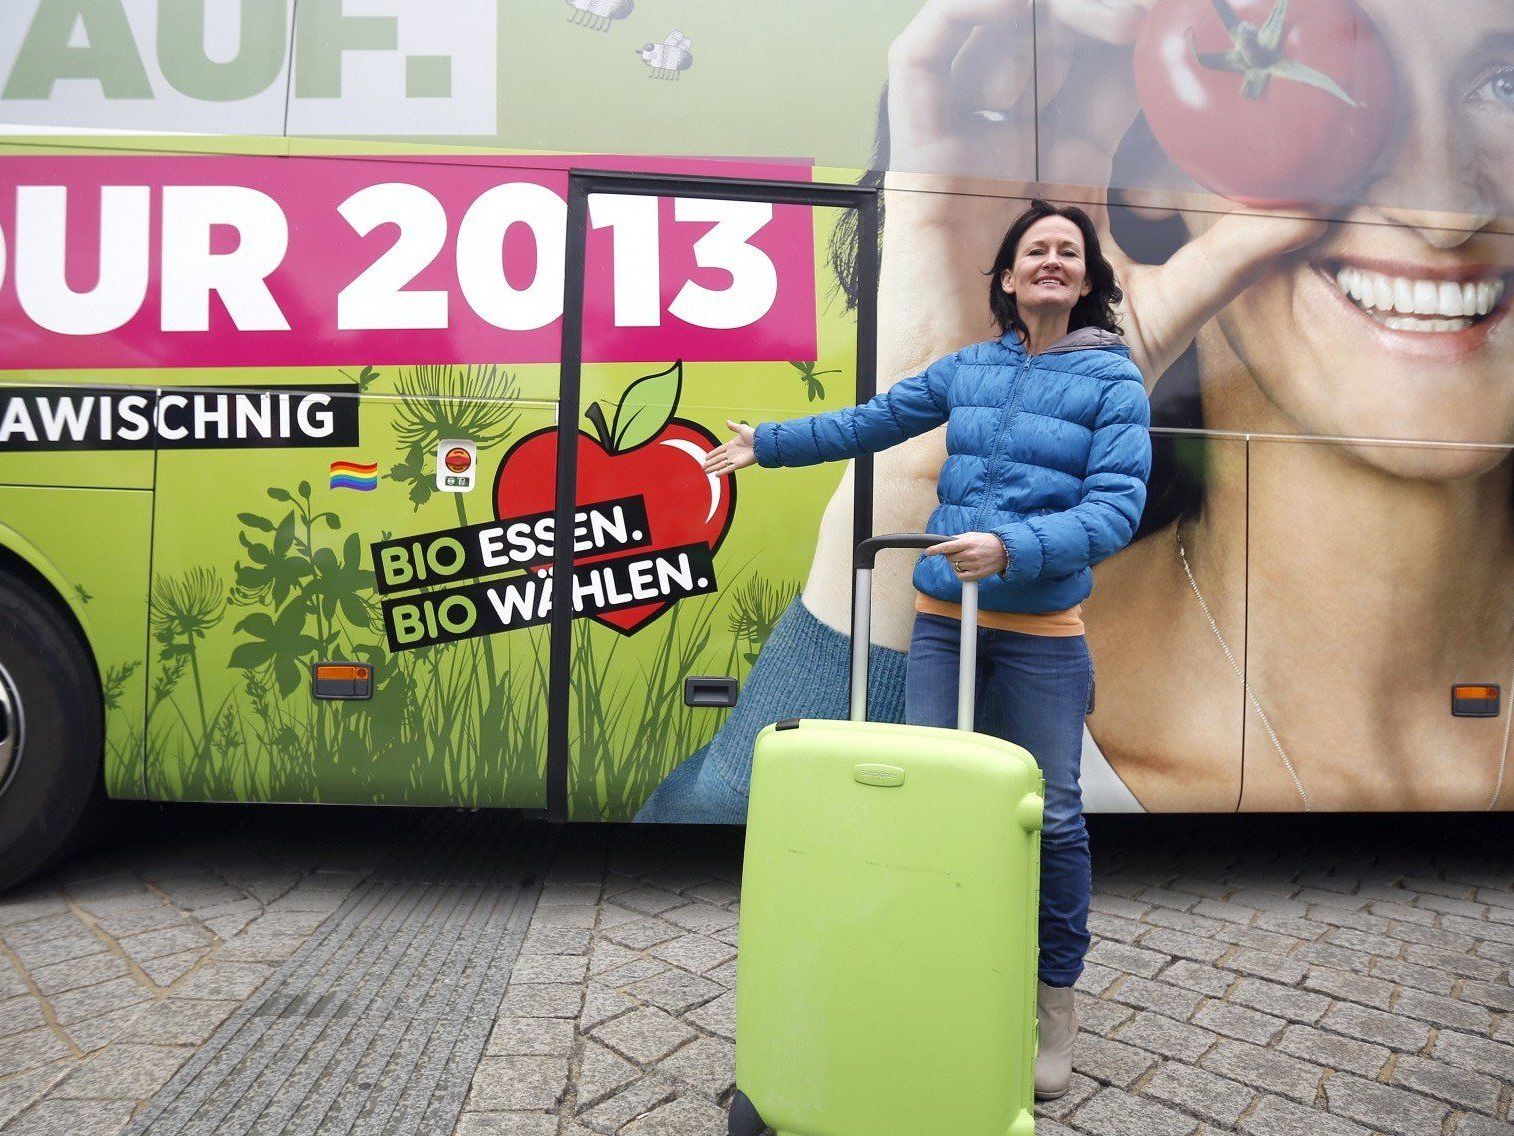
(1350, 987)
(1182, 945)
(642, 934)
(165, 971)
(93, 1033)
(1113, 1113)
(1337, 957)
(72, 1118)
(1160, 996)
(1216, 1099)
(701, 918)
(634, 971)
(1265, 964)
(576, 916)
(27, 904)
(1495, 996)
(1440, 1011)
(554, 894)
(125, 1072)
(674, 990)
(649, 900)
(1475, 1053)
(77, 1005)
(601, 1004)
(543, 1000)
(605, 956)
(1100, 1016)
(518, 1083)
(1333, 1052)
(684, 1117)
(1079, 1089)
(64, 948)
(720, 892)
(549, 968)
(120, 924)
(645, 1035)
(217, 980)
(1355, 1021)
(1382, 1108)
(1280, 1001)
(1412, 974)
(530, 1037)
(601, 1072)
(249, 946)
(1102, 926)
(637, 1099)
(1097, 979)
(18, 1092)
(1265, 1068)
(1238, 1022)
(1128, 959)
(725, 974)
(1162, 1035)
(1454, 962)
(718, 1016)
(1474, 1125)
(87, 971)
(506, 1124)
(1111, 1062)
(47, 929)
(697, 953)
(706, 1063)
(557, 941)
(179, 1021)
(1117, 905)
(611, 915)
(1449, 1083)
(168, 941)
(19, 1014)
(1277, 1116)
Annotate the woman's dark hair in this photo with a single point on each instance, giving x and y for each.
(1096, 309)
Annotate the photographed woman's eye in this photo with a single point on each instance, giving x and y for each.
(1497, 87)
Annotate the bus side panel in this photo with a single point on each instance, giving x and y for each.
(98, 561)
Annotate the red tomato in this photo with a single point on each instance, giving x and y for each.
(1265, 102)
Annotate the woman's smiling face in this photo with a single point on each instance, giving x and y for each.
(1395, 324)
(1049, 273)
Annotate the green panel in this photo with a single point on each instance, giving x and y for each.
(92, 546)
(628, 724)
(263, 567)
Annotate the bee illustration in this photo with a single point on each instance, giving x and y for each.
(670, 58)
(599, 14)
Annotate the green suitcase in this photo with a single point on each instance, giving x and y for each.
(886, 981)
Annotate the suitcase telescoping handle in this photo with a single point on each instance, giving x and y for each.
(862, 611)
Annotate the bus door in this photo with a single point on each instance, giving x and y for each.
(689, 303)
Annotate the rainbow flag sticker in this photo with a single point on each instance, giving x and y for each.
(362, 476)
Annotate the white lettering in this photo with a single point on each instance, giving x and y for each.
(221, 416)
(316, 423)
(130, 409)
(42, 259)
(517, 601)
(642, 586)
(63, 414)
(679, 573)
(191, 272)
(164, 430)
(17, 421)
(480, 255)
(255, 415)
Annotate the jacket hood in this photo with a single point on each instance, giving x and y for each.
(1084, 339)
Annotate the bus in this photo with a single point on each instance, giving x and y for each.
(337, 335)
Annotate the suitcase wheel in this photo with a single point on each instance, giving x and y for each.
(743, 1120)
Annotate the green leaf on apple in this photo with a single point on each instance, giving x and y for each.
(646, 407)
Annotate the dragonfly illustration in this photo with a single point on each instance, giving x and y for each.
(670, 58)
(599, 14)
(811, 378)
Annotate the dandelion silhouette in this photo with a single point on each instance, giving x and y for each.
(182, 609)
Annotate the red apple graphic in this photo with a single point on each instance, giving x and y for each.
(646, 452)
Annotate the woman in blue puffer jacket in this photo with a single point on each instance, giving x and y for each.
(1047, 459)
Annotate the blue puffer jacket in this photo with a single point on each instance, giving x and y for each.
(1050, 453)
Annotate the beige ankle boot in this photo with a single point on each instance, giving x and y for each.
(1057, 1020)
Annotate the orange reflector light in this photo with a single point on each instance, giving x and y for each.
(334, 673)
(1482, 693)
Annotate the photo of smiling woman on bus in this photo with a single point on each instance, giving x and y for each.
(1322, 291)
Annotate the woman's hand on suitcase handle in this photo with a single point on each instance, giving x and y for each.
(738, 453)
(973, 556)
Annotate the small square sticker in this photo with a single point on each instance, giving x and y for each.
(456, 465)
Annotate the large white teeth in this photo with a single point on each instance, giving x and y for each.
(1450, 300)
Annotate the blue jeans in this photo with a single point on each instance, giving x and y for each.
(1033, 691)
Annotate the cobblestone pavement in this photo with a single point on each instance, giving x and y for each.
(1331, 976)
